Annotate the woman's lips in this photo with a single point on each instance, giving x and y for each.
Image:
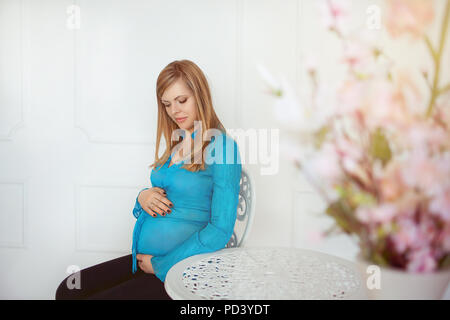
(181, 119)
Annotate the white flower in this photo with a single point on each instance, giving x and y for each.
(290, 111)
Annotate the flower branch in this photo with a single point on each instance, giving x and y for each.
(382, 167)
(437, 57)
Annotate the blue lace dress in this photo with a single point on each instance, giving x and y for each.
(204, 208)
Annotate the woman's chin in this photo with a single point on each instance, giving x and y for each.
(187, 128)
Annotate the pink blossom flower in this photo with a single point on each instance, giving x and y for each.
(409, 196)
(440, 205)
(334, 14)
(445, 239)
(350, 154)
(314, 237)
(390, 182)
(409, 16)
(325, 163)
(410, 94)
(406, 236)
(310, 63)
(425, 173)
(323, 166)
(415, 240)
(378, 101)
(379, 214)
(384, 105)
(443, 111)
(359, 57)
(350, 96)
(421, 261)
(348, 148)
(421, 135)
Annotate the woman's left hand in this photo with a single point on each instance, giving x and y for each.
(145, 262)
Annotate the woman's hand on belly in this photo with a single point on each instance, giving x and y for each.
(145, 262)
(154, 201)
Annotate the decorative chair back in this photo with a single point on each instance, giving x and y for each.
(245, 211)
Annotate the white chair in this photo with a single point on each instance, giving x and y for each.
(245, 211)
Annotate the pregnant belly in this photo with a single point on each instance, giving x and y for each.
(159, 236)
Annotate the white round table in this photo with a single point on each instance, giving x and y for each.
(264, 273)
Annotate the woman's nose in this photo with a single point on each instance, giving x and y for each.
(175, 109)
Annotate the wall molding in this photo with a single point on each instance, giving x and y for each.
(78, 122)
(238, 107)
(20, 123)
(81, 246)
(23, 243)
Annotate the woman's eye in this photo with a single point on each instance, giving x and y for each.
(168, 105)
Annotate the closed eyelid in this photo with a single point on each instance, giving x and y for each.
(180, 96)
(168, 104)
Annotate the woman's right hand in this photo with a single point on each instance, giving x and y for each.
(154, 200)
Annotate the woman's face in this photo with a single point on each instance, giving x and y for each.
(180, 105)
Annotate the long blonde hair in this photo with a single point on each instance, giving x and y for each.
(195, 80)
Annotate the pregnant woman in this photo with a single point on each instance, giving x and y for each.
(190, 208)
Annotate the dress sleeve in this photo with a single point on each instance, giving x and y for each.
(137, 206)
(216, 234)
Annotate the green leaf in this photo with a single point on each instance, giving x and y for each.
(444, 89)
(378, 259)
(381, 233)
(379, 146)
(320, 136)
(337, 211)
(332, 230)
(361, 76)
(354, 197)
(377, 52)
(277, 92)
(341, 190)
(361, 198)
(389, 77)
(444, 263)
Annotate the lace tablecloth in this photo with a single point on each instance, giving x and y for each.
(264, 273)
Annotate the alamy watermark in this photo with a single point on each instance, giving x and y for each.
(373, 21)
(263, 146)
(73, 21)
(373, 281)
(74, 280)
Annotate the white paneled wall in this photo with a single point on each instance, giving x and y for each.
(78, 121)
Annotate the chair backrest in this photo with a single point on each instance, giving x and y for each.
(245, 211)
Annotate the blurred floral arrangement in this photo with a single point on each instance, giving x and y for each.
(376, 148)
